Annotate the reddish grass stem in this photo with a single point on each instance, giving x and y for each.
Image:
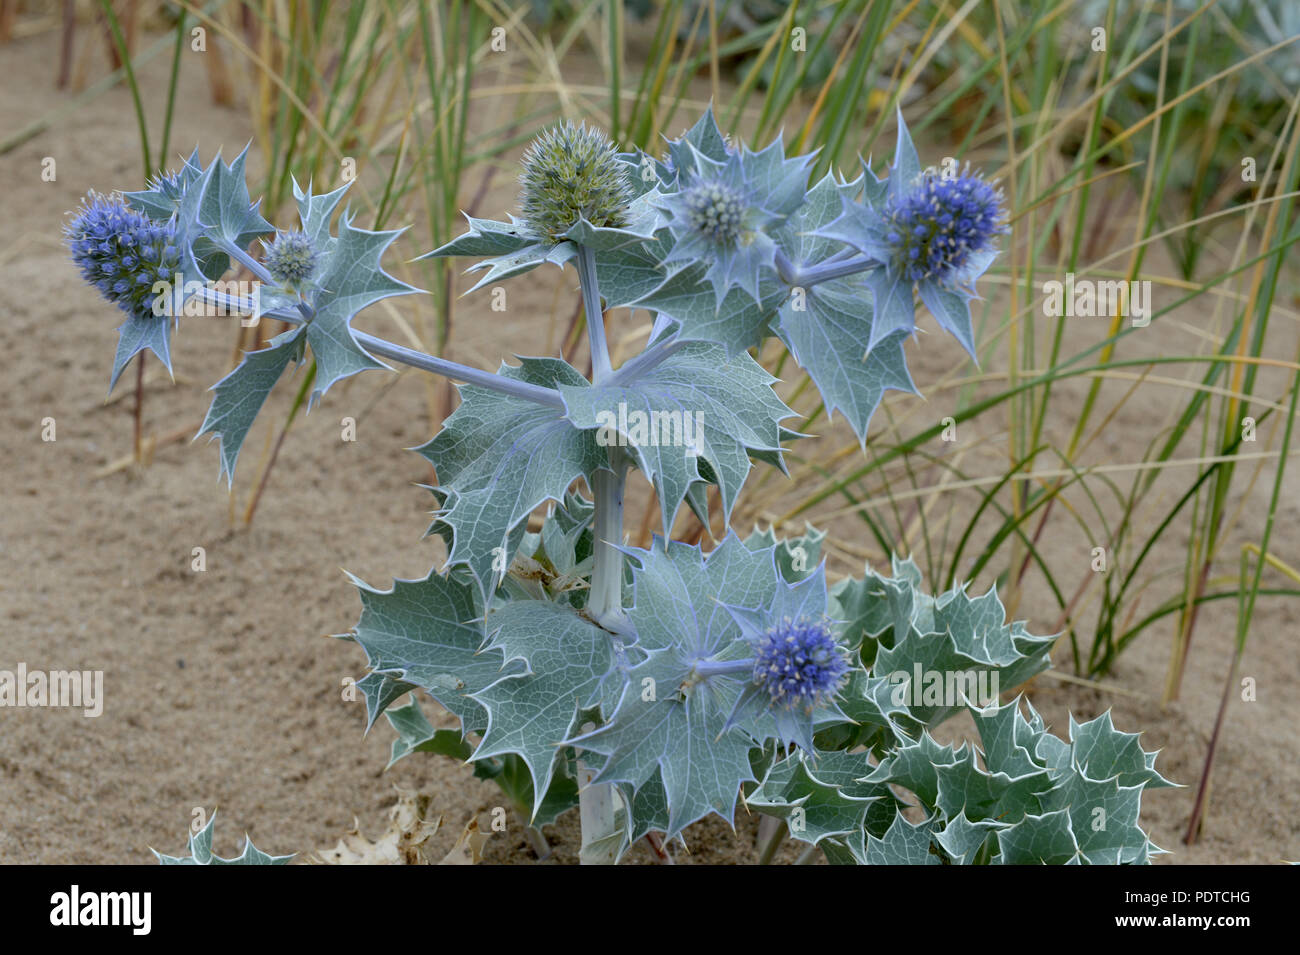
(139, 405)
(1203, 788)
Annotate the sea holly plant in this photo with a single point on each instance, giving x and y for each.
(650, 688)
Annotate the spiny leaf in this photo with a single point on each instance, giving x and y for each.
(966, 788)
(951, 309)
(238, 397)
(351, 278)
(380, 691)
(892, 304)
(429, 633)
(737, 323)
(415, 734)
(796, 557)
(702, 767)
(833, 340)
(903, 844)
(831, 329)
(508, 248)
(820, 798)
(704, 136)
(227, 210)
(964, 840)
(629, 273)
(486, 237)
(916, 767)
(315, 213)
(1103, 752)
(661, 725)
(1104, 818)
(564, 660)
(1046, 839)
(200, 846)
(907, 164)
(136, 334)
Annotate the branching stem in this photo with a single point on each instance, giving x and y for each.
(824, 272)
(644, 362)
(708, 668)
(406, 356)
(458, 372)
(243, 258)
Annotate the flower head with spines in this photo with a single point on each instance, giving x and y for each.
(123, 252)
(571, 173)
(922, 233)
(291, 259)
(799, 664)
(725, 207)
(936, 227)
(793, 664)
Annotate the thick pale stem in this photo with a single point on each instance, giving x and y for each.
(598, 813)
(601, 839)
(537, 839)
(708, 668)
(454, 370)
(600, 366)
(773, 843)
(808, 856)
(605, 602)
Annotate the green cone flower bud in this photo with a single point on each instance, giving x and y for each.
(572, 172)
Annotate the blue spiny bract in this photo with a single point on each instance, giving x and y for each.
(169, 185)
(726, 208)
(573, 172)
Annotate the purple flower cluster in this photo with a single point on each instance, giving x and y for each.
(122, 252)
(799, 663)
(935, 227)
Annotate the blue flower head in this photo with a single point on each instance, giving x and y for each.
(291, 259)
(799, 664)
(794, 666)
(941, 226)
(122, 252)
